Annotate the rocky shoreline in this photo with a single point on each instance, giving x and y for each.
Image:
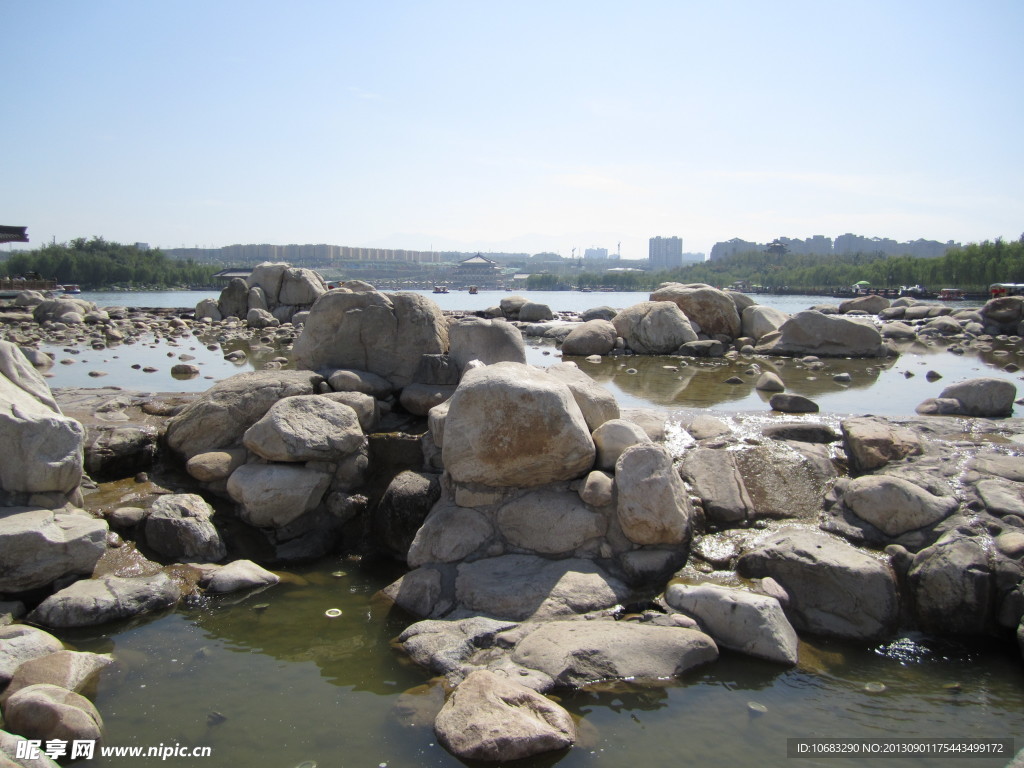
(553, 539)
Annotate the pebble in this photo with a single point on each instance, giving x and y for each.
(874, 687)
(756, 708)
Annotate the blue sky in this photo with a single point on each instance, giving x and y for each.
(511, 125)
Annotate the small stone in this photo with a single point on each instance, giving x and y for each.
(874, 687)
(756, 708)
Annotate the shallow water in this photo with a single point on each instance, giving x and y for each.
(269, 680)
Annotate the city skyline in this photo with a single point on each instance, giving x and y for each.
(526, 128)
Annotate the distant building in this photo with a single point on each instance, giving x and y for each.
(665, 252)
(596, 253)
(478, 265)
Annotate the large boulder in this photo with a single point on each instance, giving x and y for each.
(493, 718)
(370, 331)
(274, 495)
(306, 428)
(613, 437)
(871, 442)
(45, 448)
(548, 522)
(593, 337)
(47, 712)
(654, 327)
(73, 670)
(519, 587)
(234, 299)
(953, 586)
(179, 527)
(403, 508)
(977, 397)
(40, 545)
(511, 424)
(872, 305)
(894, 505)
(20, 643)
(220, 416)
(835, 589)
(597, 403)
(489, 341)
(713, 310)
(575, 653)
(739, 620)
(300, 287)
(90, 602)
(814, 333)
(653, 506)
(759, 320)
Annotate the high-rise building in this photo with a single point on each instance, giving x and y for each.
(665, 252)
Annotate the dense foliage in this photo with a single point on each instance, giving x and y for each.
(973, 268)
(98, 264)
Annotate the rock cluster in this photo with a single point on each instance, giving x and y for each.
(271, 295)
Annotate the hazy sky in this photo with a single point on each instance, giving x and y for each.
(511, 125)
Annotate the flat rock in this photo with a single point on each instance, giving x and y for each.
(517, 587)
(90, 602)
(575, 653)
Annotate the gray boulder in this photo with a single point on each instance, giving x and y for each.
(237, 576)
(72, 670)
(179, 527)
(548, 522)
(953, 586)
(871, 443)
(519, 587)
(369, 331)
(300, 287)
(593, 337)
(515, 425)
(221, 415)
(403, 508)
(653, 506)
(895, 506)
(835, 589)
(613, 437)
(48, 446)
(47, 712)
(597, 404)
(982, 397)
(90, 602)
(712, 309)
(717, 481)
(739, 620)
(39, 545)
(306, 428)
(493, 718)
(654, 327)
(759, 321)
(260, 318)
(814, 333)
(274, 495)
(10, 744)
(20, 643)
(449, 534)
(575, 653)
(534, 312)
(489, 341)
(234, 299)
(872, 305)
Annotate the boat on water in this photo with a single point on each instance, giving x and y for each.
(951, 294)
(916, 292)
(998, 290)
(69, 289)
(440, 289)
(474, 290)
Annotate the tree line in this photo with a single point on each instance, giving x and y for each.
(98, 264)
(972, 268)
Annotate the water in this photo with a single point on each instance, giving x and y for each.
(270, 681)
(662, 382)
